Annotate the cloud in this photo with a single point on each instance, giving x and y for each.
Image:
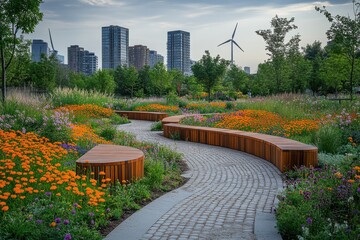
(103, 2)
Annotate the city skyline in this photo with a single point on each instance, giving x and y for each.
(79, 22)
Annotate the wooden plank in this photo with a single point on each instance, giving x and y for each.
(142, 115)
(120, 163)
(282, 152)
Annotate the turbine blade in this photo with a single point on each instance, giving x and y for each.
(234, 31)
(52, 45)
(225, 42)
(237, 45)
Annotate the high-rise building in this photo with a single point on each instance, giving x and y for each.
(247, 70)
(178, 51)
(90, 63)
(154, 58)
(115, 46)
(80, 60)
(139, 56)
(38, 48)
(75, 58)
(160, 58)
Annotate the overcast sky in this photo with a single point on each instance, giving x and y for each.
(210, 22)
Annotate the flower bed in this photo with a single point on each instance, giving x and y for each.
(321, 204)
(155, 107)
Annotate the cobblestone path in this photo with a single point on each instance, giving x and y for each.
(225, 191)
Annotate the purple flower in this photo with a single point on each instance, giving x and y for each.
(75, 204)
(358, 190)
(73, 212)
(92, 222)
(48, 193)
(309, 220)
(108, 210)
(91, 214)
(66, 222)
(67, 236)
(58, 220)
(39, 221)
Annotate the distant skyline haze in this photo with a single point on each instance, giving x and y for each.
(79, 22)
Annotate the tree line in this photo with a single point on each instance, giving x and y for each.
(333, 68)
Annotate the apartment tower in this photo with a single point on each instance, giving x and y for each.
(178, 51)
(115, 46)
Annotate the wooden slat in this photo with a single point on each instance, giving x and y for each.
(142, 115)
(282, 152)
(118, 162)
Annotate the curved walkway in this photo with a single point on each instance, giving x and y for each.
(229, 195)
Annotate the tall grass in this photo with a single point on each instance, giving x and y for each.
(67, 96)
(296, 106)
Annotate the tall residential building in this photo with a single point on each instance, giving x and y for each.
(247, 70)
(38, 48)
(139, 56)
(75, 58)
(115, 46)
(178, 51)
(90, 63)
(154, 58)
(82, 61)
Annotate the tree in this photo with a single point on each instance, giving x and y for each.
(127, 80)
(238, 78)
(43, 73)
(334, 72)
(16, 16)
(102, 81)
(209, 71)
(315, 54)
(178, 79)
(144, 80)
(277, 47)
(345, 31)
(160, 80)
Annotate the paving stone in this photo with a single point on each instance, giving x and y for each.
(226, 189)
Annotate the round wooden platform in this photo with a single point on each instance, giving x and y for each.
(117, 162)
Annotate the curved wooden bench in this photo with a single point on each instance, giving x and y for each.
(282, 152)
(142, 115)
(117, 162)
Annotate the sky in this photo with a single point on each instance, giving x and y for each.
(210, 22)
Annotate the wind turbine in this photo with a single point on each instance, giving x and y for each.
(232, 42)
(52, 45)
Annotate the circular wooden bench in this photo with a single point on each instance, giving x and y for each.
(142, 115)
(117, 162)
(284, 153)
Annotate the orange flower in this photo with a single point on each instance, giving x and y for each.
(101, 173)
(53, 187)
(5, 208)
(53, 224)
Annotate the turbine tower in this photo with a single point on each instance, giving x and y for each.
(232, 41)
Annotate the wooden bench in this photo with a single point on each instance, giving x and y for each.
(142, 115)
(282, 152)
(117, 162)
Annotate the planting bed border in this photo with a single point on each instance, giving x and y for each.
(143, 115)
(118, 162)
(282, 152)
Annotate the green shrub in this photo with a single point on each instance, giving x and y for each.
(154, 173)
(156, 126)
(328, 139)
(117, 119)
(108, 133)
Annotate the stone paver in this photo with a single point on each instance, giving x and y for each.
(225, 192)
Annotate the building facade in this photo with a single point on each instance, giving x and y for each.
(115, 46)
(75, 58)
(82, 61)
(154, 58)
(178, 51)
(90, 63)
(39, 48)
(247, 70)
(139, 56)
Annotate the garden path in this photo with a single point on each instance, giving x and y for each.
(229, 195)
